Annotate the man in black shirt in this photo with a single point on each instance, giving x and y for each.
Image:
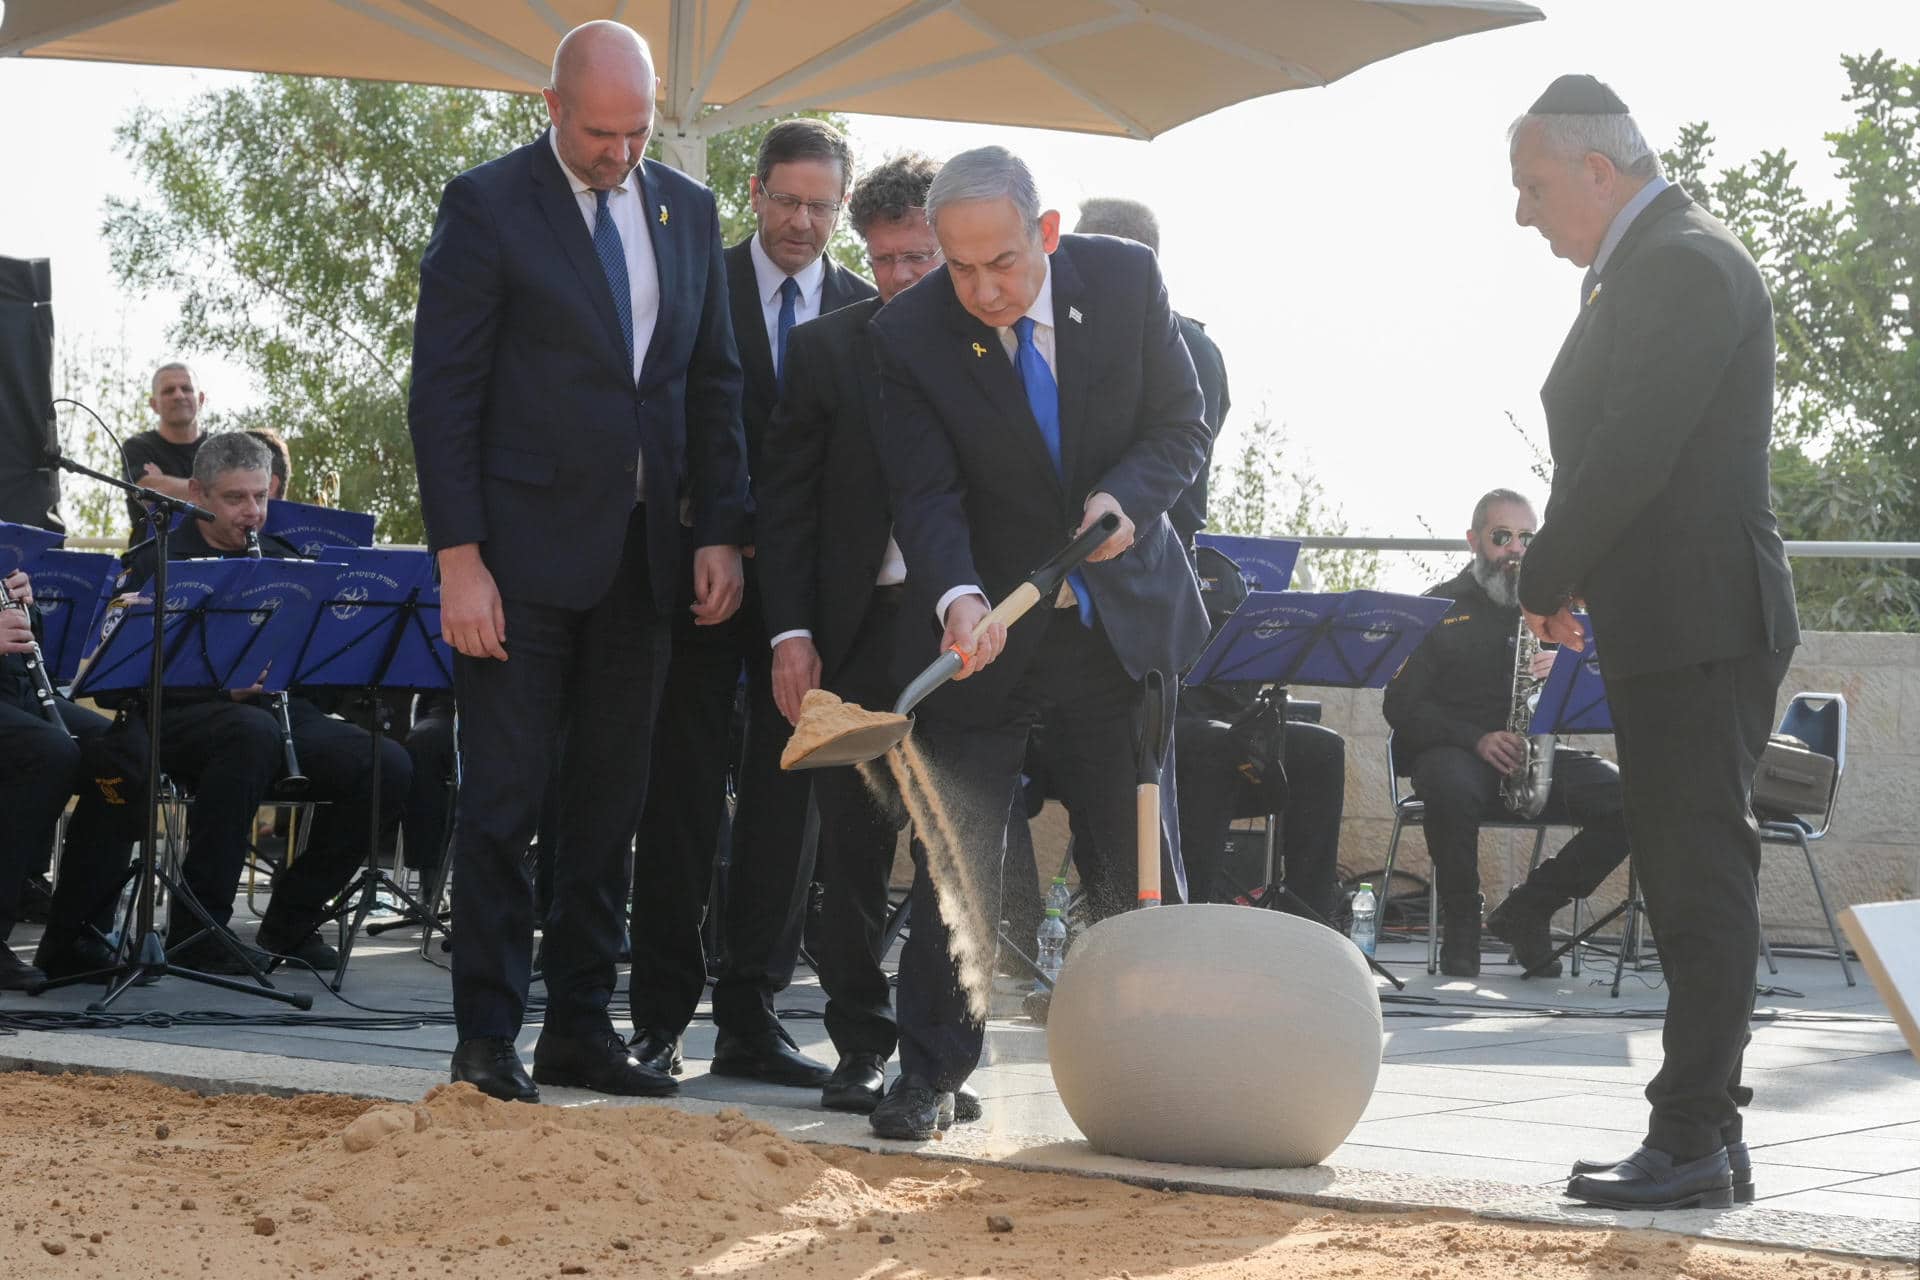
(224, 748)
(162, 459)
(1448, 707)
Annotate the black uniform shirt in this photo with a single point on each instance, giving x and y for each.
(174, 460)
(1458, 685)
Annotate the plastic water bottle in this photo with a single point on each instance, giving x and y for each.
(1058, 897)
(1050, 947)
(1364, 930)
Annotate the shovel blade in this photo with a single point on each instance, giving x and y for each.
(856, 746)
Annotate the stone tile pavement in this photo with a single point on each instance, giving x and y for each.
(1487, 1089)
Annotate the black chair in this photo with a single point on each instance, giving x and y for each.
(1820, 721)
(1410, 810)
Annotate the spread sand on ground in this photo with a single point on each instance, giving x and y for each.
(115, 1176)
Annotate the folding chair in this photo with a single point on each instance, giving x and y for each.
(1820, 721)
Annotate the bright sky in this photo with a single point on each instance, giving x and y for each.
(1351, 249)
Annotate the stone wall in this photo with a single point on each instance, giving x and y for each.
(1872, 853)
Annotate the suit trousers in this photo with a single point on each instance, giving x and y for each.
(770, 866)
(597, 672)
(860, 819)
(1089, 703)
(1461, 791)
(1689, 742)
(39, 770)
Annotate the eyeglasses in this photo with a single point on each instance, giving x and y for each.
(887, 261)
(818, 210)
(1501, 537)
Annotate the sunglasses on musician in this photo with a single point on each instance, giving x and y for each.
(1501, 537)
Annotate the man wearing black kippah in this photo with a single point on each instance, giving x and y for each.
(1659, 409)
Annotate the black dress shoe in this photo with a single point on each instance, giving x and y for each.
(1652, 1179)
(658, 1050)
(16, 974)
(767, 1056)
(489, 1064)
(313, 951)
(1530, 934)
(209, 954)
(912, 1111)
(1739, 1160)
(66, 955)
(966, 1104)
(599, 1062)
(856, 1085)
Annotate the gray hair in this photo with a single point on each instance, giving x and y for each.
(1614, 136)
(985, 173)
(229, 451)
(1113, 216)
(1493, 498)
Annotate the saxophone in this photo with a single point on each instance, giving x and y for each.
(1525, 789)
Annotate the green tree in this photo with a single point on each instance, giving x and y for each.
(1846, 289)
(288, 216)
(1264, 493)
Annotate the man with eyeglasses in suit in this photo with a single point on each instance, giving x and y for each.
(778, 277)
(1448, 708)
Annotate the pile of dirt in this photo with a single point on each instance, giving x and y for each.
(118, 1176)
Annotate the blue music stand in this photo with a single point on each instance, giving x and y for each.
(20, 544)
(313, 530)
(377, 632)
(70, 588)
(1266, 563)
(1574, 698)
(1339, 639)
(227, 625)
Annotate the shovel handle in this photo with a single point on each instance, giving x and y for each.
(1146, 818)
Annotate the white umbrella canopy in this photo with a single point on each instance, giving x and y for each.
(1118, 67)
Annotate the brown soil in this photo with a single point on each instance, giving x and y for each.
(824, 717)
(117, 1176)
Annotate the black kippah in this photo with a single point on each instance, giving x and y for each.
(1578, 96)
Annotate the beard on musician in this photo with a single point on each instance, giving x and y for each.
(1499, 541)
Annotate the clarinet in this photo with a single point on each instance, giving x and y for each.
(294, 783)
(36, 667)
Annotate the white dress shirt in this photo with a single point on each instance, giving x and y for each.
(768, 277)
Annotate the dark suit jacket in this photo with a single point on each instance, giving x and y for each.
(1189, 514)
(839, 288)
(1660, 412)
(821, 492)
(525, 416)
(974, 493)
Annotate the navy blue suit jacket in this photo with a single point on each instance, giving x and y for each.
(975, 496)
(525, 416)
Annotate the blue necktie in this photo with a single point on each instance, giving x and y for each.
(1043, 397)
(613, 261)
(789, 295)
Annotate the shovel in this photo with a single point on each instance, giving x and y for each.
(1146, 790)
(879, 734)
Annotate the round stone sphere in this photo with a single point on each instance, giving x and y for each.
(1217, 1035)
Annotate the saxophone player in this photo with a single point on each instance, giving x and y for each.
(1451, 710)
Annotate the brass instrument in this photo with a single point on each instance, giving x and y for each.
(295, 782)
(1525, 789)
(36, 667)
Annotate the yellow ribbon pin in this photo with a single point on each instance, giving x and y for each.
(1593, 295)
(663, 215)
(978, 351)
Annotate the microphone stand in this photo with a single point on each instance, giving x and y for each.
(145, 957)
